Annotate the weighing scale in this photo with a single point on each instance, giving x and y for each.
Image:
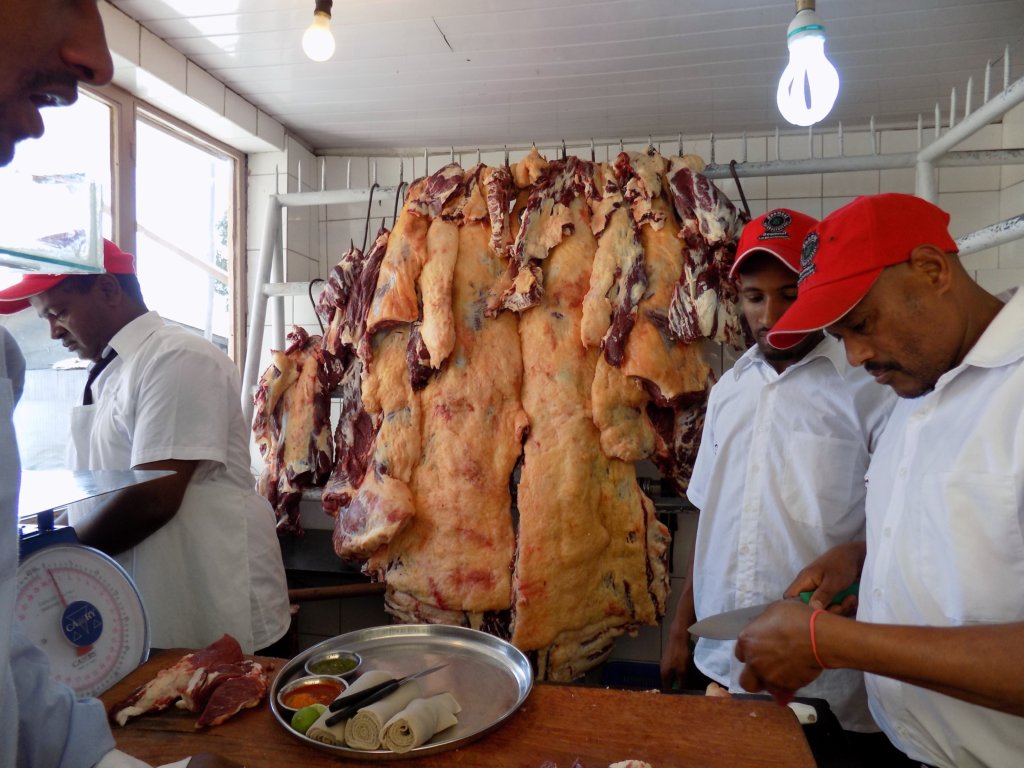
(75, 603)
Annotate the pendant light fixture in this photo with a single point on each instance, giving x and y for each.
(317, 40)
(809, 85)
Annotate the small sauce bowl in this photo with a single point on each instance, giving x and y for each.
(336, 663)
(315, 689)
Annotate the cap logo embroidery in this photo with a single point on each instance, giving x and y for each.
(775, 225)
(807, 254)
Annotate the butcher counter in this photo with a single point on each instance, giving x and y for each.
(557, 724)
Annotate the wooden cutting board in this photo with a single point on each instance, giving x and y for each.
(557, 724)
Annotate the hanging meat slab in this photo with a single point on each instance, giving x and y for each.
(582, 525)
(704, 303)
(472, 436)
(383, 503)
(292, 426)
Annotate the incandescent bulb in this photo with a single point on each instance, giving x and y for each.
(317, 40)
(809, 85)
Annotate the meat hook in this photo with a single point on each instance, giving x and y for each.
(592, 157)
(369, 210)
(506, 155)
(312, 301)
(398, 197)
(739, 187)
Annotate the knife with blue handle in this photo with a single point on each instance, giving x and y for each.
(728, 625)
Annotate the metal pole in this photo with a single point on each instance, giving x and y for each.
(995, 234)
(258, 311)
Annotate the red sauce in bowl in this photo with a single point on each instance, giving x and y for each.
(323, 692)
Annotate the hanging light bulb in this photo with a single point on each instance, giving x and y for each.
(317, 40)
(809, 85)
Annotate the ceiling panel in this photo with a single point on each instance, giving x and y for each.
(411, 73)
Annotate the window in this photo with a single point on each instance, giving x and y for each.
(172, 197)
(184, 202)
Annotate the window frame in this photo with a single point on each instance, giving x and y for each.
(126, 111)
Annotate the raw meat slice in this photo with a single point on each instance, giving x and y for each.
(620, 413)
(435, 283)
(618, 279)
(500, 192)
(703, 304)
(678, 429)
(668, 369)
(234, 694)
(394, 298)
(546, 220)
(639, 175)
(353, 442)
(164, 689)
(383, 504)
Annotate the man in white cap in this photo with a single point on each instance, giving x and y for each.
(779, 475)
(940, 621)
(47, 47)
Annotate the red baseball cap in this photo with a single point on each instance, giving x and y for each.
(15, 298)
(780, 233)
(843, 256)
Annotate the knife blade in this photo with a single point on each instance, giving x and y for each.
(344, 707)
(728, 625)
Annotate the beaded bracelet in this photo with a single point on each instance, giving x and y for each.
(814, 643)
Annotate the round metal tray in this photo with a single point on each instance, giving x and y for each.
(489, 677)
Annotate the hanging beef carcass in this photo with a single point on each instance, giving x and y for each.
(292, 426)
(499, 373)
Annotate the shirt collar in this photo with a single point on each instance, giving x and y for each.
(828, 348)
(1002, 342)
(130, 338)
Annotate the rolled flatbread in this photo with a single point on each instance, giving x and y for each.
(418, 722)
(325, 734)
(335, 734)
(363, 731)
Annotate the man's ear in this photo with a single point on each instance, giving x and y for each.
(933, 265)
(109, 288)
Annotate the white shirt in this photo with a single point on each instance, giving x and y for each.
(779, 479)
(945, 508)
(216, 567)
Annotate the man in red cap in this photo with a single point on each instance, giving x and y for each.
(778, 477)
(201, 544)
(940, 622)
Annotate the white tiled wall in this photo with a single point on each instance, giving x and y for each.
(316, 238)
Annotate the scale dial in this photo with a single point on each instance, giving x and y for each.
(81, 608)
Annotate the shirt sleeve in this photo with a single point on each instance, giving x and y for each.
(182, 408)
(55, 728)
(697, 491)
(14, 362)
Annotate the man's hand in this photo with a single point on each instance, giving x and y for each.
(675, 658)
(776, 648)
(831, 573)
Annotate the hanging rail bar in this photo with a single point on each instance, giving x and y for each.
(995, 234)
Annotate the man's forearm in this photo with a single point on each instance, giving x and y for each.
(979, 664)
(129, 516)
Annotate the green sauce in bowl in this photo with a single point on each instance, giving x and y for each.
(338, 665)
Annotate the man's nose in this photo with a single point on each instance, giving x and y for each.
(56, 330)
(773, 309)
(857, 352)
(85, 48)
